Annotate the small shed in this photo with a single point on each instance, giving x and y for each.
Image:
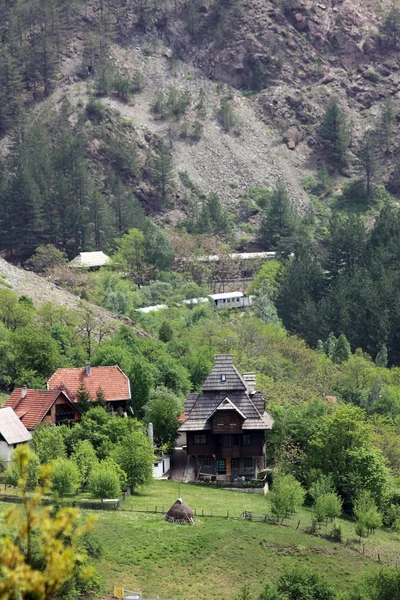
(12, 433)
(180, 512)
(90, 260)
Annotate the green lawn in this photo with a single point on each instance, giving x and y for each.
(215, 557)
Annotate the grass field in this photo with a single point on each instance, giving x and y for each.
(214, 558)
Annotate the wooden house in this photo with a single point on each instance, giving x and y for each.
(34, 407)
(225, 424)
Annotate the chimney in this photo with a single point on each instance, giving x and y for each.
(88, 369)
(150, 434)
(250, 381)
(23, 391)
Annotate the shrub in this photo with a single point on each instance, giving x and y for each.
(286, 496)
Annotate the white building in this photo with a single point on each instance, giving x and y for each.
(12, 433)
(161, 466)
(90, 260)
(230, 300)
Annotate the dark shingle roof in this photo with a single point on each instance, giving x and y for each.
(200, 407)
(224, 376)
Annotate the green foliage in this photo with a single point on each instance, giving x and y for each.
(390, 27)
(334, 135)
(104, 481)
(135, 457)
(45, 258)
(278, 221)
(327, 507)
(163, 410)
(226, 116)
(65, 477)
(85, 458)
(286, 496)
(342, 350)
(301, 583)
(48, 443)
(165, 333)
(342, 448)
(366, 513)
(368, 160)
(161, 168)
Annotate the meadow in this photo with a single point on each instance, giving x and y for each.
(214, 558)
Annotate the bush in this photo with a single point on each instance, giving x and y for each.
(95, 110)
(46, 257)
(286, 496)
(104, 481)
(65, 478)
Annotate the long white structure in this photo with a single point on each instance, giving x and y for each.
(224, 300)
(239, 256)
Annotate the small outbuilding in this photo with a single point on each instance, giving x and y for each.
(90, 260)
(180, 512)
(12, 433)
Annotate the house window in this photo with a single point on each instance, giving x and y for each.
(248, 462)
(220, 420)
(200, 439)
(247, 440)
(227, 441)
(207, 461)
(235, 463)
(223, 378)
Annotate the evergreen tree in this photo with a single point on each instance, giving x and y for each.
(342, 351)
(346, 245)
(334, 135)
(162, 171)
(381, 359)
(387, 121)
(391, 26)
(368, 160)
(279, 220)
(165, 332)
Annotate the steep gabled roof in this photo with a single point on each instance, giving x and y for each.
(33, 407)
(225, 393)
(224, 376)
(11, 428)
(227, 404)
(111, 380)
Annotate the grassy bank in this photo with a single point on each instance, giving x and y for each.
(214, 558)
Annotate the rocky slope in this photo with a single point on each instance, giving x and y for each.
(26, 283)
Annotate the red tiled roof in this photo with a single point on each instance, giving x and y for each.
(34, 406)
(111, 380)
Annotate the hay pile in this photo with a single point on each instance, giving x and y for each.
(180, 512)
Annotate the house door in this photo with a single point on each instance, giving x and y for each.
(221, 466)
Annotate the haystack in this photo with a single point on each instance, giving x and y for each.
(180, 512)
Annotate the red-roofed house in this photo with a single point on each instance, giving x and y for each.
(113, 382)
(34, 407)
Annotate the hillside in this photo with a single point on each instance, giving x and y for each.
(40, 291)
(275, 64)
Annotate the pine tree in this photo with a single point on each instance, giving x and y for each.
(368, 160)
(386, 124)
(10, 90)
(162, 171)
(391, 27)
(381, 359)
(334, 134)
(342, 351)
(279, 220)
